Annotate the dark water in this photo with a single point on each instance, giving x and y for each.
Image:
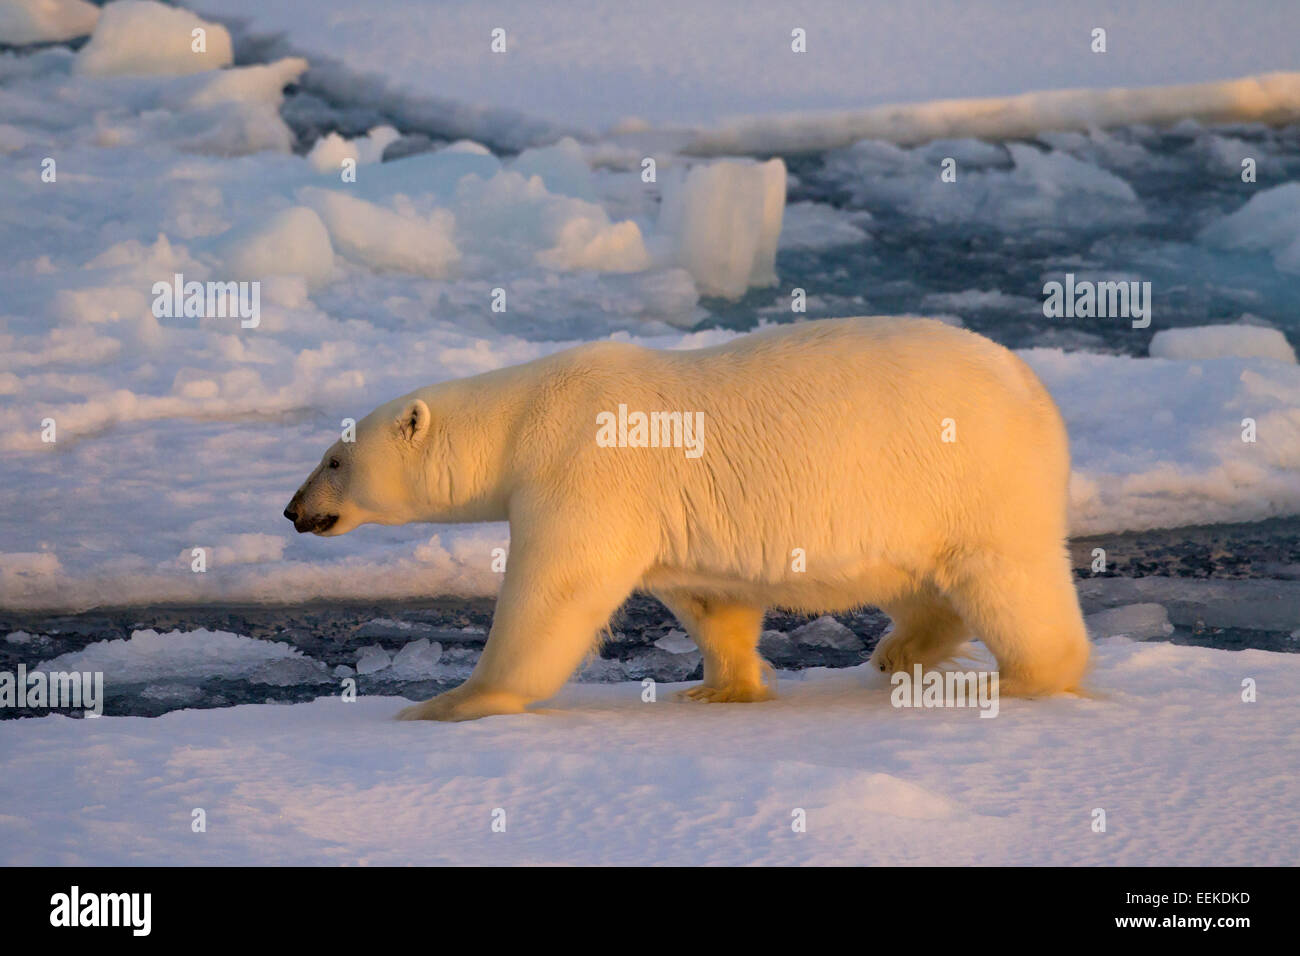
(1213, 581)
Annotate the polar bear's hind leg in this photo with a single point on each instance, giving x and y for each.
(927, 631)
(727, 636)
(1026, 611)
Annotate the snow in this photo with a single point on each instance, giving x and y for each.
(141, 36)
(1222, 341)
(45, 21)
(601, 777)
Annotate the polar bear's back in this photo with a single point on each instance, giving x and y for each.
(848, 436)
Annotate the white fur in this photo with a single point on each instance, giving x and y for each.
(822, 436)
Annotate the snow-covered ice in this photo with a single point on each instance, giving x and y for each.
(142, 36)
(45, 21)
(1185, 770)
(588, 63)
(148, 656)
(1273, 97)
(1222, 341)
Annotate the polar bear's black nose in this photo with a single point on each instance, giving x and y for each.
(290, 513)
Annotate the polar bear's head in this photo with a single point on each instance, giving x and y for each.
(379, 478)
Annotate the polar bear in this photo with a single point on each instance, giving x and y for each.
(816, 466)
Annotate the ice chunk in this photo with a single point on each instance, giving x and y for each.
(816, 226)
(827, 632)
(291, 242)
(725, 219)
(1055, 174)
(417, 660)
(45, 21)
(661, 665)
(372, 658)
(511, 218)
(676, 642)
(776, 645)
(386, 240)
(1222, 341)
(1138, 621)
(1269, 222)
(1028, 186)
(1258, 604)
(561, 167)
(227, 112)
(141, 36)
(467, 146)
(600, 670)
(427, 179)
(329, 152)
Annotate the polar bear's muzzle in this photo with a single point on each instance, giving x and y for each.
(304, 523)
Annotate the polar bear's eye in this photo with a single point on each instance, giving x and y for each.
(334, 462)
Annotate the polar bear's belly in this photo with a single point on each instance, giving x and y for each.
(844, 586)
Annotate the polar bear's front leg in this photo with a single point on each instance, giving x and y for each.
(462, 703)
(552, 606)
(727, 636)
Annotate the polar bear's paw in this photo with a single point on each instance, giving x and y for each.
(731, 694)
(459, 704)
(896, 652)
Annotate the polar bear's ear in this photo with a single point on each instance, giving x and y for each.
(413, 423)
